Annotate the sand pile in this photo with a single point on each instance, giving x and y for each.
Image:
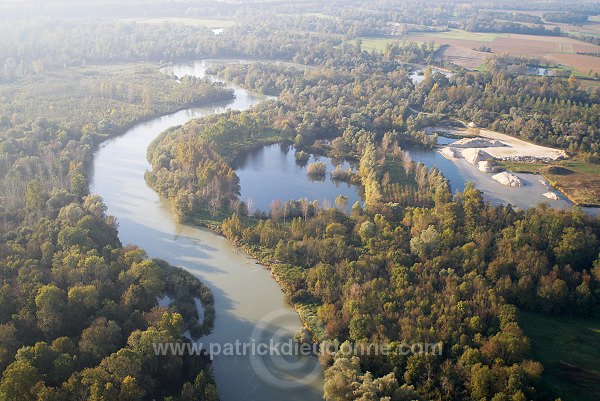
(474, 156)
(476, 143)
(551, 195)
(450, 153)
(487, 166)
(509, 179)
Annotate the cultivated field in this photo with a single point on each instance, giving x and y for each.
(592, 28)
(554, 49)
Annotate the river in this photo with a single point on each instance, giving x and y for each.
(250, 305)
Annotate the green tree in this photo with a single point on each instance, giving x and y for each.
(101, 339)
(18, 382)
(35, 198)
(340, 379)
(79, 184)
(130, 390)
(51, 303)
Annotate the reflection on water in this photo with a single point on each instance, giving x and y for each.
(272, 172)
(244, 292)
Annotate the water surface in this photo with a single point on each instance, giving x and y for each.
(249, 303)
(272, 173)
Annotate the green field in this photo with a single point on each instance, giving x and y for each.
(483, 67)
(569, 348)
(208, 23)
(379, 44)
(594, 18)
(584, 33)
(464, 35)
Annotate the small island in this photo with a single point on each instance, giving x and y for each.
(316, 170)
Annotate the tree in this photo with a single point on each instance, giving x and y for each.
(427, 243)
(79, 184)
(82, 299)
(250, 206)
(130, 390)
(368, 171)
(481, 382)
(123, 363)
(18, 382)
(577, 248)
(101, 339)
(51, 303)
(276, 209)
(8, 344)
(305, 207)
(316, 170)
(35, 198)
(357, 210)
(341, 202)
(340, 378)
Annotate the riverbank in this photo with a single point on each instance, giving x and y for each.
(285, 275)
(245, 295)
(281, 273)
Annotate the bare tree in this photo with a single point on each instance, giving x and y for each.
(236, 205)
(276, 209)
(305, 205)
(406, 162)
(214, 203)
(250, 206)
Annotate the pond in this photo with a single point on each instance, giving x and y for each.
(418, 75)
(272, 173)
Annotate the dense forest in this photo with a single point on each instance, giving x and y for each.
(50, 139)
(548, 111)
(414, 262)
(80, 312)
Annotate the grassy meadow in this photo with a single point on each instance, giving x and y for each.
(569, 348)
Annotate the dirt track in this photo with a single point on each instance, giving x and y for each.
(514, 148)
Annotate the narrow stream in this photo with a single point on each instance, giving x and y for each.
(250, 305)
